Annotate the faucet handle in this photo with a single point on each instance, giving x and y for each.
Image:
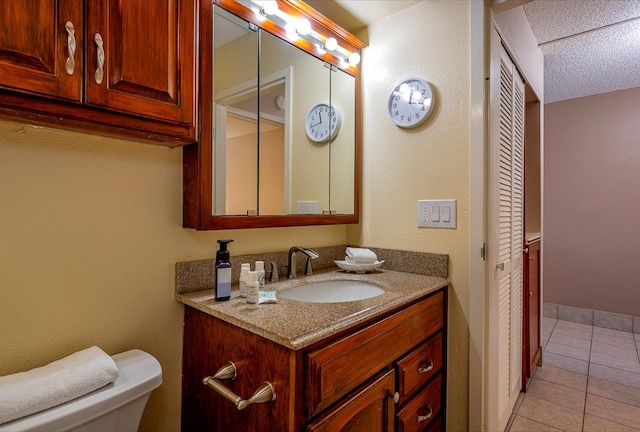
(274, 275)
(310, 253)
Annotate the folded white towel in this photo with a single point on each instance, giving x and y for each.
(361, 256)
(25, 393)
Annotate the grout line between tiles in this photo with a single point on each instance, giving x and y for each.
(544, 421)
(586, 390)
(588, 373)
(612, 421)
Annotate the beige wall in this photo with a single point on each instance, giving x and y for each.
(90, 231)
(591, 204)
(401, 166)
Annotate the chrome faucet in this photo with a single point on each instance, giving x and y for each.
(291, 268)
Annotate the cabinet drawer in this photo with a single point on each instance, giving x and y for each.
(417, 367)
(422, 409)
(336, 369)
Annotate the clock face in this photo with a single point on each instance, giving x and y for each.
(323, 123)
(411, 102)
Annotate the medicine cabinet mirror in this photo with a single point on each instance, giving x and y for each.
(255, 165)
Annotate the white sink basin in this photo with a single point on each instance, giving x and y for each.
(333, 291)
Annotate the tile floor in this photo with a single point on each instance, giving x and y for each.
(590, 381)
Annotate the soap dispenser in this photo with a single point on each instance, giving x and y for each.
(223, 272)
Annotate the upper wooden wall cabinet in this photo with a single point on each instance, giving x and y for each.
(122, 68)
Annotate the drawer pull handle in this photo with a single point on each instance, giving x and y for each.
(99, 75)
(70, 65)
(265, 393)
(429, 367)
(423, 418)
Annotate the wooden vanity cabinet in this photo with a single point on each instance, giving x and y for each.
(387, 374)
(145, 88)
(368, 409)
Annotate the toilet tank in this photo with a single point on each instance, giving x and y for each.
(115, 407)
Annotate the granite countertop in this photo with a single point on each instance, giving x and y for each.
(296, 324)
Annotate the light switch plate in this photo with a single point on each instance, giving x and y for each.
(308, 207)
(437, 213)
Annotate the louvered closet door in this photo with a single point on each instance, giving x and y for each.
(505, 242)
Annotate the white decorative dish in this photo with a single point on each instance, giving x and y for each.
(358, 268)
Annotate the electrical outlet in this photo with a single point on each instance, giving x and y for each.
(437, 214)
(308, 207)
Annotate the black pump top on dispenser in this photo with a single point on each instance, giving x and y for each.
(223, 253)
(223, 272)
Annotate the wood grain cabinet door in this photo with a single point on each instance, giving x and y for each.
(41, 47)
(141, 58)
(369, 409)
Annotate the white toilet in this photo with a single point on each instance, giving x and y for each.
(115, 407)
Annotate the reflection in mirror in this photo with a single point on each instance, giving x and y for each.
(309, 160)
(235, 156)
(342, 147)
(273, 145)
(263, 162)
(278, 58)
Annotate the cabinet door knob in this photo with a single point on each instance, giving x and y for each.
(532, 258)
(396, 397)
(423, 418)
(500, 266)
(429, 367)
(99, 75)
(70, 65)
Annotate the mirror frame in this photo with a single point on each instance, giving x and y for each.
(197, 160)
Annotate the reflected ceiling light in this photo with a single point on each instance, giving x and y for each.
(269, 7)
(330, 44)
(296, 28)
(292, 33)
(404, 89)
(303, 26)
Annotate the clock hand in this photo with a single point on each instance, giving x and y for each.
(319, 123)
(411, 102)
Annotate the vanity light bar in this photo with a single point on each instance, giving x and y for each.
(302, 28)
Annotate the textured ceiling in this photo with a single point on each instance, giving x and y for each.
(589, 46)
